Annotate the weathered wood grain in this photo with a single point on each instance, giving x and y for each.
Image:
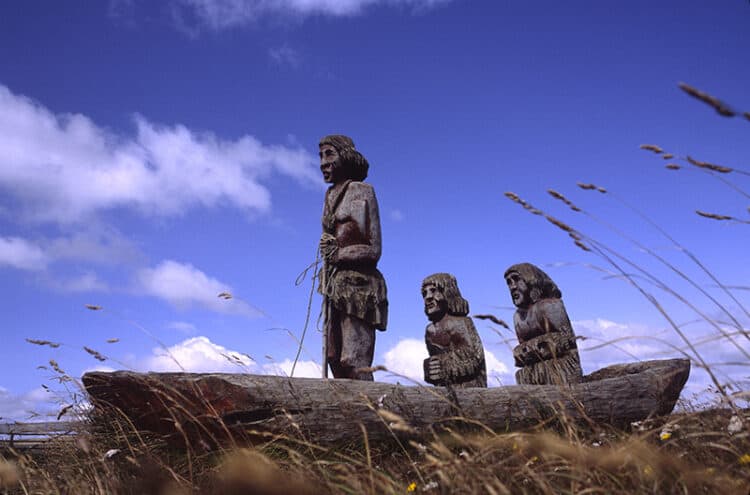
(213, 409)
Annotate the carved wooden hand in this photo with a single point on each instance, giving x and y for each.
(433, 370)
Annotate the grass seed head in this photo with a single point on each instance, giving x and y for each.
(714, 216)
(56, 367)
(559, 224)
(590, 187)
(555, 194)
(562, 198)
(94, 353)
(652, 147)
(494, 319)
(583, 246)
(718, 105)
(710, 166)
(53, 345)
(513, 197)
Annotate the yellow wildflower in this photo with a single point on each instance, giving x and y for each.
(665, 435)
(412, 487)
(648, 470)
(745, 459)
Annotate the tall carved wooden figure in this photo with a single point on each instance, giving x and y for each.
(354, 292)
(546, 353)
(456, 352)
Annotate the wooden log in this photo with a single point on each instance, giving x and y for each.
(48, 428)
(28, 435)
(213, 409)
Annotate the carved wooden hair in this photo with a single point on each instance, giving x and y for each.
(540, 284)
(354, 166)
(457, 305)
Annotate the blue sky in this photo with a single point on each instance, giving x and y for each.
(156, 154)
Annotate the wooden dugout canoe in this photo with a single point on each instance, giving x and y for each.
(211, 409)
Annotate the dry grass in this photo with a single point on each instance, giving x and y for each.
(683, 453)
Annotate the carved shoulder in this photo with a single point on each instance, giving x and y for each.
(358, 225)
(552, 313)
(361, 190)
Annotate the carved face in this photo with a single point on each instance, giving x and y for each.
(435, 303)
(519, 289)
(330, 165)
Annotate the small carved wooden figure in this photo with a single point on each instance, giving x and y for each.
(456, 352)
(546, 353)
(354, 291)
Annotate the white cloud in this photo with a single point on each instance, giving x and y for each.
(406, 357)
(98, 367)
(607, 342)
(497, 371)
(65, 168)
(199, 355)
(285, 55)
(86, 282)
(25, 406)
(41, 256)
(221, 14)
(183, 285)
(100, 245)
(104, 246)
(304, 369)
(182, 326)
(22, 254)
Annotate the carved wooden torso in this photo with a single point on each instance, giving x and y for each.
(350, 280)
(350, 214)
(455, 341)
(546, 350)
(450, 332)
(545, 316)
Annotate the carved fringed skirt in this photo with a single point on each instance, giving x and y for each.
(361, 293)
(564, 370)
(548, 359)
